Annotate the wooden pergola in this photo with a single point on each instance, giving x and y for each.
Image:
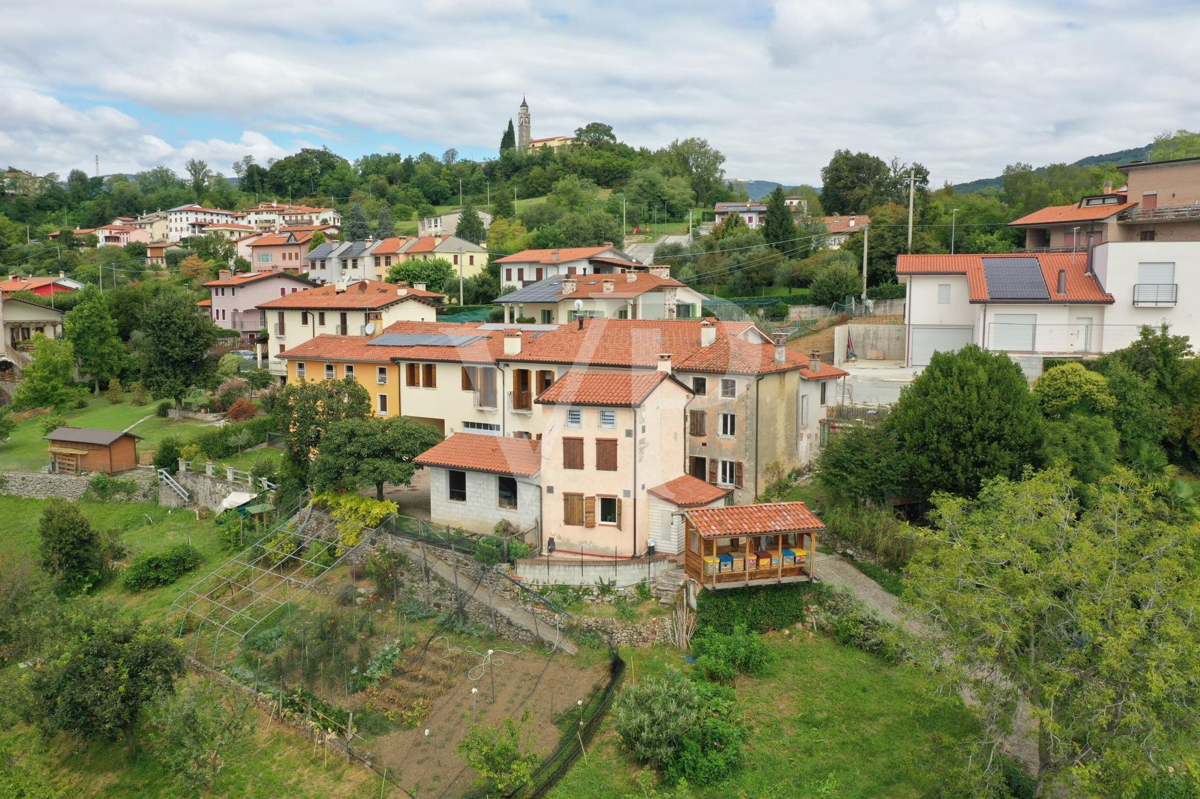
(738, 546)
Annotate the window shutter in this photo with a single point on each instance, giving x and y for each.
(712, 470)
(737, 478)
(430, 370)
(589, 511)
(567, 518)
(412, 374)
(618, 513)
(572, 453)
(468, 378)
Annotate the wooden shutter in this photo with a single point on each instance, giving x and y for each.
(487, 386)
(712, 470)
(522, 396)
(412, 374)
(572, 453)
(606, 454)
(573, 509)
(589, 511)
(618, 513)
(545, 378)
(697, 423)
(468, 378)
(737, 477)
(430, 379)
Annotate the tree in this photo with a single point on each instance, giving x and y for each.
(778, 228)
(71, 550)
(308, 409)
(1087, 444)
(176, 338)
(384, 227)
(835, 282)
(357, 227)
(572, 193)
(92, 332)
(199, 173)
(101, 670)
(502, 202)
(433, 272)
(318, 239)
(732, 225)
(698, 162)
(1088, 616)
(356, 453)
(195, 268)
(1180, 144)
(507, 236)
(470, 225)
(1073, 388)
(889, 239)
(7, 423)
(498, 754)
(213, 247)
(863, 464)
(27, 607)
(191, 731)
(853, 183)
(967, 418)
(49, 379)
(508, 140)
(596, 135)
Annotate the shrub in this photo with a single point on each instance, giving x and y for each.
(835, 283)
(236, 531)
(72, 552)
(345, 594)
(167, 456)
(490, 550)
(353, 512)
(872, 529)
(231, 391)
(886, 291)
(115, 392)
(155, 569)
(758, 609)
(51, 422)
(384, 568)
(138, 395)
(722, 657)
(164, 409)
(103, 488)
(850, 623)
(265, 467)
(241, 409)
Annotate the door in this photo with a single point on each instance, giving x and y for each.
(928, 340)
(1013, 332)
(1081, 334)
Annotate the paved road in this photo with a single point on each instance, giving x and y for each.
(645, 252)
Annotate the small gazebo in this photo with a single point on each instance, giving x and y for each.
(736, 546)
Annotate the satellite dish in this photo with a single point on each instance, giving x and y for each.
(370, 328)
(578, 305)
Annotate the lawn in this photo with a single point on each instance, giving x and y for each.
(248, 459)
(826, 720)
(25, 451)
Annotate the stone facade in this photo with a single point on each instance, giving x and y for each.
(481, 510)
(42, 485)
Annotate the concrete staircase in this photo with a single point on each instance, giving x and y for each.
(667, 586)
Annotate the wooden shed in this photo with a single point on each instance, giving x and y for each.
(88, 449)
(743, 545)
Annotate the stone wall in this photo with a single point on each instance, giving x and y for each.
(204, 490)
(559, 572)
(42, 485)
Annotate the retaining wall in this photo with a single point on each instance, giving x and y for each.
(204, 490)
(43, 485)
(626, 573)
(871, 342)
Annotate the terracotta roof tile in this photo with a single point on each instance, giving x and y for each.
(485, 350)
(251, 277)
(205, 303)
(482, 453)
(365, 294)
(623, 389)
(688, 491)
(1081, 286)
(553, 255)
(842, 224)
(771, 517)
(30, 283)
(1062, 214)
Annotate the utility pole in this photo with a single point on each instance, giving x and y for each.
(460, 202)
(460, 279)
(912, 185)
(689, 224)
(489, 185)
(953, 228)
(624, 228)
(866, 243)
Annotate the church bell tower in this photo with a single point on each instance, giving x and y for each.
(523, 127)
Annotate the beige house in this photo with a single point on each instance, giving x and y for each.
(627, 295)
(20, 321)
(447, 224)
(530, 266)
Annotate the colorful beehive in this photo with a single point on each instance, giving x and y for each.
(726, 563)
(789, 557)
(801, 557)
(739, 562)
(710, 565)
(767, 560)
(751, 562)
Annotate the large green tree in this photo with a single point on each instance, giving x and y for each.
(853, 183)
(357, 227)
(700, 163)
(435, 273)
(1088, 615)
(967, 418)
(71, 550)
(502, 201)
(176, 337)
(359, 453)
(384, 227)
(199, 174)
(508, 140)
(307, 409)
(92, 332)
(49, 380)
(778, 228)
(470, 225)
(191, 731)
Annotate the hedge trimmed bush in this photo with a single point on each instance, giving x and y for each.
(490, 550)
(219, 443)
(886, 291)
(756, 609)
(155, 569)
(722, 657)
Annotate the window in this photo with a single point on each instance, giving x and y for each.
(412, 374)
(506, 490)
(487, 387)
(824, 386)
(804, 410)
(729, 472)
(697, 466)
(943, 293)
(608, 420)
(606, 454)
(387, 260)
(458, 485)
(508, 275)
(610, 511)
(728, 425)
(1147, 235)
(545, 378)
(700, 385)
(381, 375)
(321, 318)
(572, 453)
(264, 257)
(470, 260)
(697, 423)
(574, 418)
(348, 370)
(300, 371)
(329, 375)
(468, 378)
(383, 405)
(429, 376)
(377, 261)
(481, 427)
(573, 509)
(547, 317)
(728, 388)
(520, 273)
(456, 260)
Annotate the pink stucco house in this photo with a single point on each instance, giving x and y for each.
(233, 299)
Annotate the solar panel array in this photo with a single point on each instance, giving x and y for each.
(542, 291)
(424, 340)
(1015, 279)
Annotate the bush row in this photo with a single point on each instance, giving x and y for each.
(161, 568)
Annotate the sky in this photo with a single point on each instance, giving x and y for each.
(962, 87)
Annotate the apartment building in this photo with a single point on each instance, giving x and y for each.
(628, 295)
(531, 266)
(234, 299)
(271, 216)
(447, 224)
(371, 259)
(186, 221)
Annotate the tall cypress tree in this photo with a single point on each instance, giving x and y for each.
(509, 140)
(357, 227)
(778, 228)
(384, 229)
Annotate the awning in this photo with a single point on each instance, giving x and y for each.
(237, 499)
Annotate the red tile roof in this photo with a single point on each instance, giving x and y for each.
(766, 518)
(593, 285)
(482, 453)
(243, 278)
(205, 303)
(621, 389)
(1081, 286)
(365, 294)
(390, 246)
(1064, 214)
(842, 224)
(553, 255)
(485, 350)
(688, 492)
(30, 283)
(278, 239)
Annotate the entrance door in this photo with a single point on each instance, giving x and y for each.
(1081, 334)
(1013, 332)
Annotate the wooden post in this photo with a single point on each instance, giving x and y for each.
(716, 564)
(746, 564)
(779, 546)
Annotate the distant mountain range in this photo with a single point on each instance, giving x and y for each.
(757, 189)
(1119, 157)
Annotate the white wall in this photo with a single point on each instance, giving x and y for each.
(923, 307)
(1116, 265)
(481, 511)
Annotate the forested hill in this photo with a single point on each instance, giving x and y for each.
(1119, 157)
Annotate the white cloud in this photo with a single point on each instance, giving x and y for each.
(964, 86)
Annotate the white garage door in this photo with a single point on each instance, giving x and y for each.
(928, 340)
(1013, 332)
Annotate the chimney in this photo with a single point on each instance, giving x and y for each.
(554, 255)
(708, 333)
(660, 271)
(224, 274)
(631, 276)
(780, 348)
(814, 362)
(664, 362)
(512, 342)
(1062, 281)
(568, 285)
(610, 285)
(339, 287)
(402, 290)
(61, 274)
(1108, 187)
(419, 286)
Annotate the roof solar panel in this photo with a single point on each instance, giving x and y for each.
(423, 340)
(512, 326)
(1015, 279)
(541, 291)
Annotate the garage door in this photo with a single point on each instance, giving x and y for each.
(1013, 332)
(928, 340)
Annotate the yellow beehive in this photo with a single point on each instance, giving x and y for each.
(710, 564)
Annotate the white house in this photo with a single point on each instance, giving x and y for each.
(478, 480)
(753, 213)
(629, 295)
(447, 224)
(190, 220)
(530, 266)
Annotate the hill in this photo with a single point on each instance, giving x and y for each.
(755, 189)
(1118, 157)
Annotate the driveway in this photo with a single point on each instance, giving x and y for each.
(645, 252)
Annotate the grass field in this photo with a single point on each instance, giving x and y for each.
(825, 721)
(26, 449)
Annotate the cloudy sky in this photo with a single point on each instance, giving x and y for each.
(963, 87)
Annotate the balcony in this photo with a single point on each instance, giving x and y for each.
(1068, 339)
(520, 402)
(1032, 250)
(1154, 294)
(278, 328)
(1167, 213)
(339, 330)
(483, 402)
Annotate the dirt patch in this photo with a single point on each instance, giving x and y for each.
(527, 681)
(821, 341)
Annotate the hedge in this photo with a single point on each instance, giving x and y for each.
(887, 291)
(161, 568)
(760, 609)
(218, 443)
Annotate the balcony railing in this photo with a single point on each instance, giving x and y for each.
(520, 403)
(1167, 213)
(1155, 293)
(1082, 249)
(484, 402)
(278, 328)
